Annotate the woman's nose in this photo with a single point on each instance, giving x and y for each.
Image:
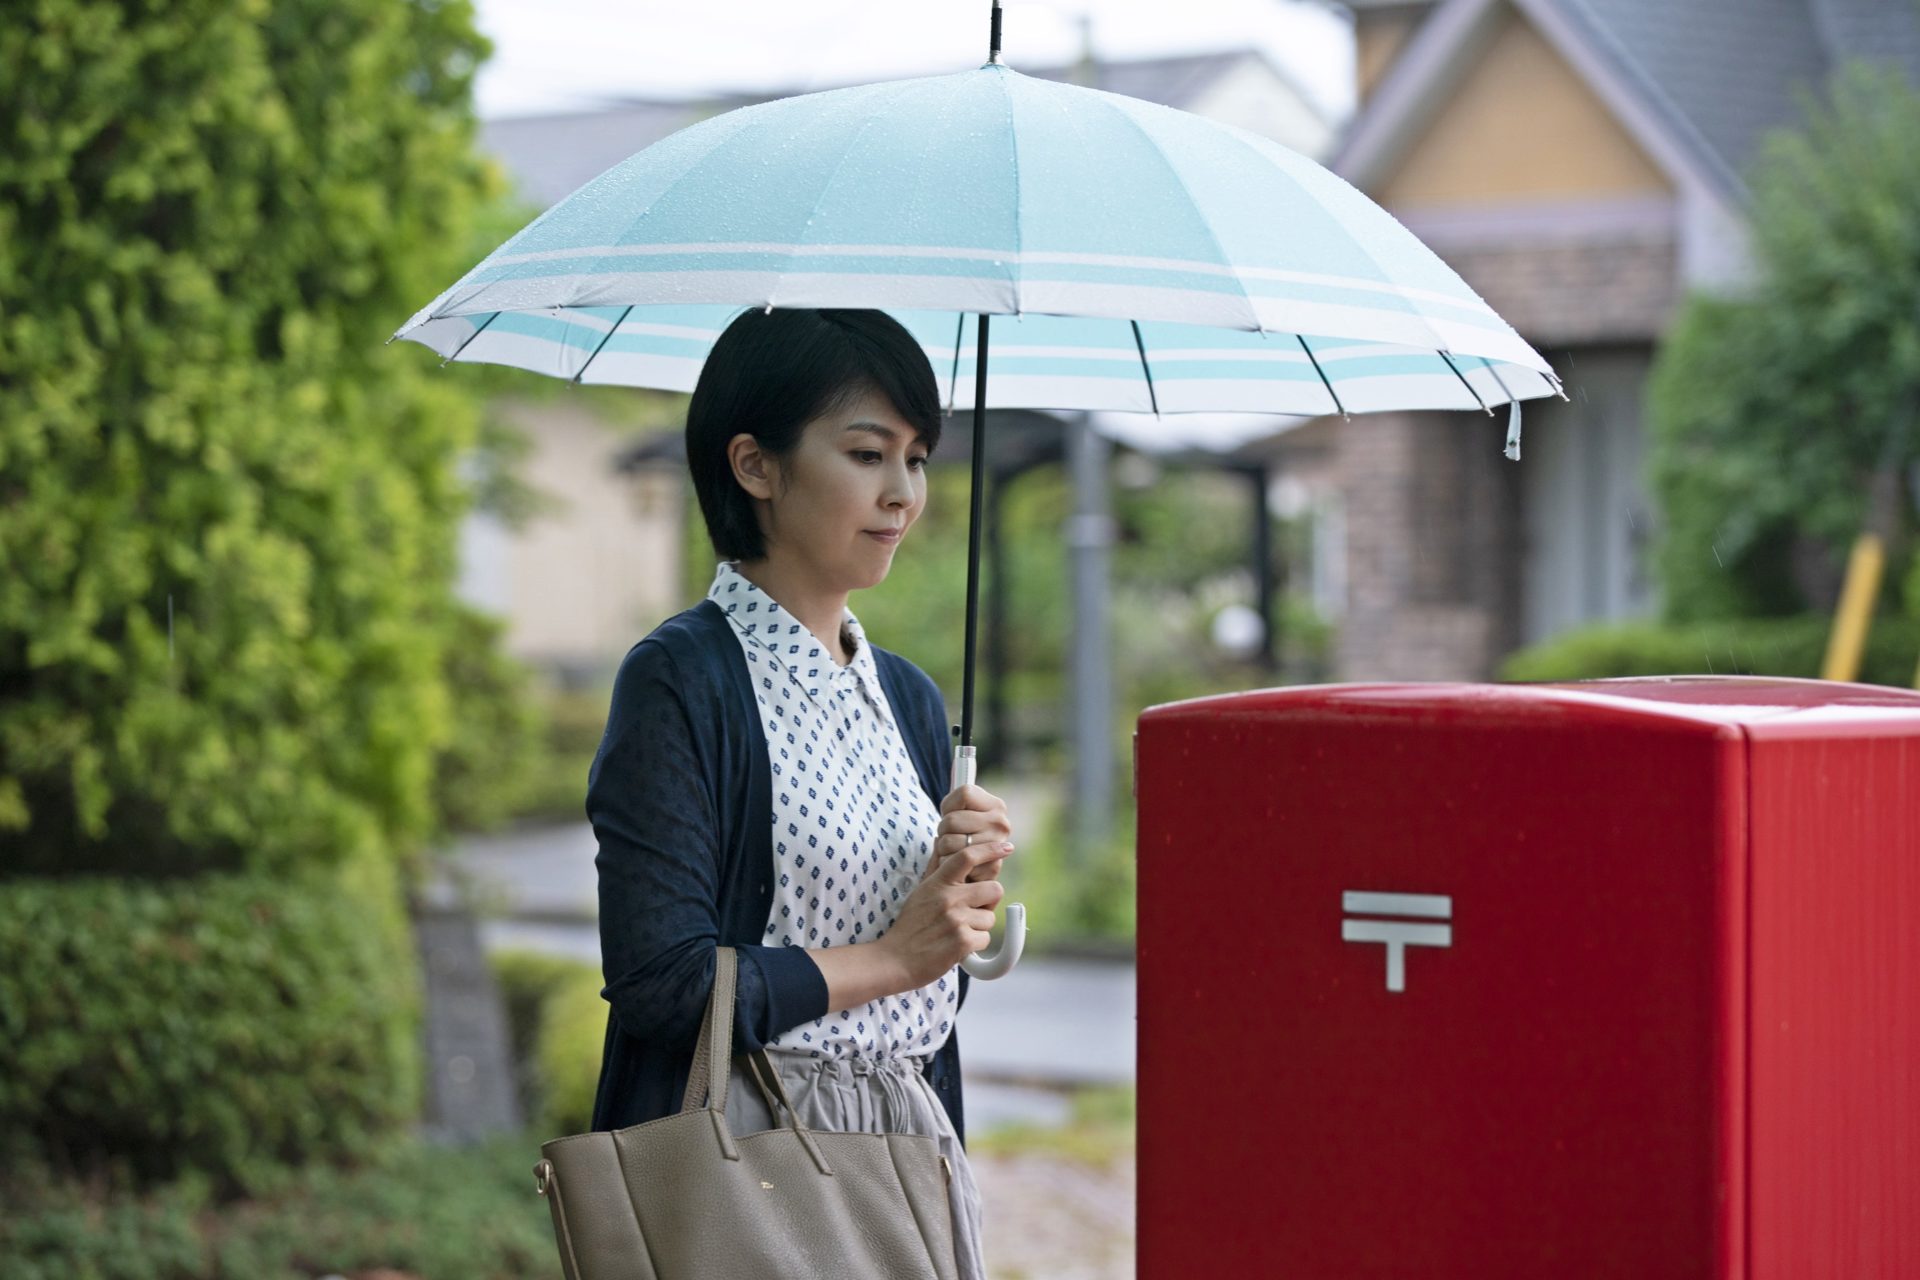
(899, 487)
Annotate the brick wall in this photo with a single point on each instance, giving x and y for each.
(1433, 529)
(1562, 293)
(1431, 541)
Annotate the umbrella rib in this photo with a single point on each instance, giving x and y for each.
(1013, 154)
(581, 372)
(1145, 368)
(1301, 338)
(1497, 380)
(469, 338)
(1513, 411)
(953, 379)
(1463, 380)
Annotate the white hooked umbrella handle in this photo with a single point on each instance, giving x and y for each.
(980, 964)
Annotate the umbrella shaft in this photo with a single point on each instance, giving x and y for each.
(973, 522)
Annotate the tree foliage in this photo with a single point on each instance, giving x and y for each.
(1770, 411)
(227, 509)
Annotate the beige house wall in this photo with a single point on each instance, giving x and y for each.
(1521, 124)
(588, 580)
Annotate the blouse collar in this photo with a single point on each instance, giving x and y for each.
(764, 623)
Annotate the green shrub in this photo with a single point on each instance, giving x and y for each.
(529, 981)
(1768, 411)
(1756, 646)
(228, 511)
(410, 1209)
(1074, 900)
(556, 787)
(218, 1024)
(488, 771)
(567, 1056)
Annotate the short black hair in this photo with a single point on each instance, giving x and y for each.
(772, 372)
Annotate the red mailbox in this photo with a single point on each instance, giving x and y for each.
(1612, 978)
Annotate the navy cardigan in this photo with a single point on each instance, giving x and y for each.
(680, 794)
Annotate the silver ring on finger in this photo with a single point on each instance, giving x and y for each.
(969, 840)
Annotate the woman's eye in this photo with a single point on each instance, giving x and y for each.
(866, 454)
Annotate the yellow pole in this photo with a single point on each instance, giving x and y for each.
(1848, 638)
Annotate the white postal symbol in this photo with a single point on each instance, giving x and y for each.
(1398, 935)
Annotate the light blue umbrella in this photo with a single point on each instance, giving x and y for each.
(1159, 261)
(1151, 260)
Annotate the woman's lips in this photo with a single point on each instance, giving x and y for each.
(890, 538)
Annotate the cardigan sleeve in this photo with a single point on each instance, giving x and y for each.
(660, 877)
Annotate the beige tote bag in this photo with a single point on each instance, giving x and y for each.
(681, 1198)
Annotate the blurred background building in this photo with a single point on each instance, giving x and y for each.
(1579, 163)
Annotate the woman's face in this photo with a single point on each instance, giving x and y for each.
(856, 470)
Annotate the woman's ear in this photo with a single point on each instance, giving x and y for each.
(750, 466)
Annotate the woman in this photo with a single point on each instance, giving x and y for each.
(772, 781)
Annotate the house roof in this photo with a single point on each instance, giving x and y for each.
(1870, 28)
(549, 157)
(1713, 75)
(1176, 81)
(1721, 73)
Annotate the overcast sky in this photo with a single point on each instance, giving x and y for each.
(552, 55)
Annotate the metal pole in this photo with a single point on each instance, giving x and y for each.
(974, 518)
(1089, 537)
(1263, 570)
(998, 739)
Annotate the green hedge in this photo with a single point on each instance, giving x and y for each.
(571, 724)
(410, 1210)
(1074, 902)
(484, 777)
(555, 1032)
(219, 1025)
(228, 511)
(1793, 646)
(567, 1057)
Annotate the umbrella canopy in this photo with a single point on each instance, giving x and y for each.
(1158, 261)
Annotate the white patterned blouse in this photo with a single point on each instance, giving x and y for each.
(852, 828)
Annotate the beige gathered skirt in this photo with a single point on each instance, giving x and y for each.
(855, 1095)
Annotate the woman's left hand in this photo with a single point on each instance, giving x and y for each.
(973, 811)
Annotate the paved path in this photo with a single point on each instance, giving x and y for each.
(1045, 1217)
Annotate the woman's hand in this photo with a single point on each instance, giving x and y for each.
(945, 919)
(976, 812)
